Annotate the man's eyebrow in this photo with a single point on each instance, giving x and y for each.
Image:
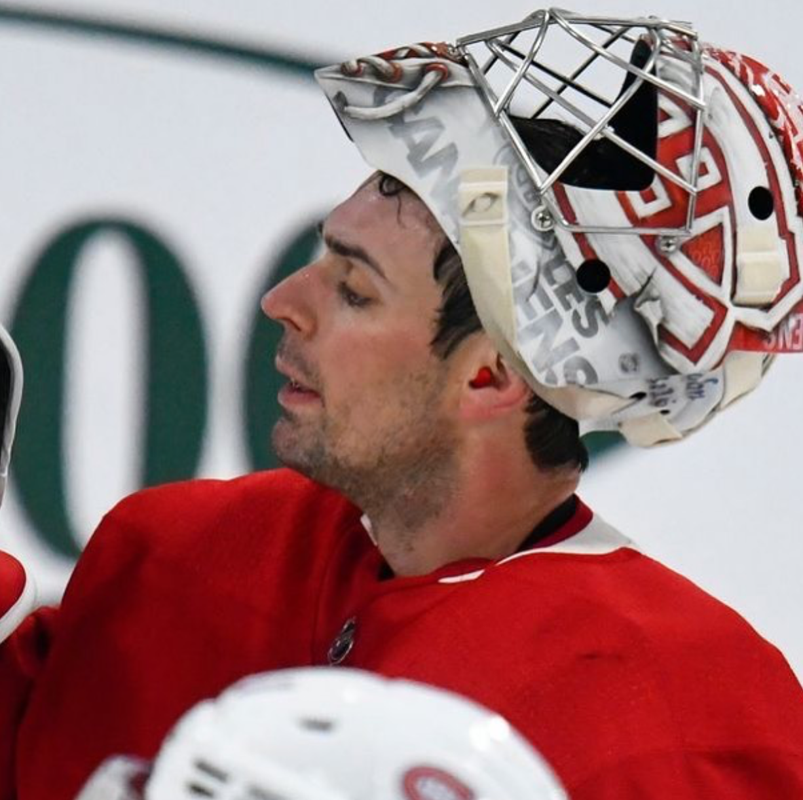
(351, 251)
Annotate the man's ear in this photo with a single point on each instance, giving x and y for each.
(491, 388)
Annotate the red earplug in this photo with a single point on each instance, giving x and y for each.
(483, 378)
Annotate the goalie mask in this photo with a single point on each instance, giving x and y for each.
(10, 396)
(335, 734)
(626, 202)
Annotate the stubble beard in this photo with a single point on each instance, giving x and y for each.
(402, 478)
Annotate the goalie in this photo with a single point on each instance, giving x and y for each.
(542, 252)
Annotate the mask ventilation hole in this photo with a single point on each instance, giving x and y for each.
(259, 793)
(317, 725)
(593, 276)
(207, 780)
(761, 202)
(197, 790)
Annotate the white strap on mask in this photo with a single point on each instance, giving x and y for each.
(760, 269)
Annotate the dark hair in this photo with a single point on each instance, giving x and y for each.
(602, 164)
(552, 439)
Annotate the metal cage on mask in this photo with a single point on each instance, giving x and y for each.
(625, 199)
(624, 121)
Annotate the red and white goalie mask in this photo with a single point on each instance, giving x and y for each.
(626, 201)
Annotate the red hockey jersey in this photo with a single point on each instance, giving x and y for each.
(630, 680)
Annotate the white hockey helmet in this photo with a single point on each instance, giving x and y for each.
(337, 734)
(626, 202)
(10, 397)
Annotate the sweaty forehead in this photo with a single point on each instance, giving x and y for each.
(400, 220)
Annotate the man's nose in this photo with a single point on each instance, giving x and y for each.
(291, 302)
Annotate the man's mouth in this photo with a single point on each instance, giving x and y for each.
(295, 386)
(296, 394)
(295, 391)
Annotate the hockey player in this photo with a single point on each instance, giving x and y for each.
(319, 734)
(543, 252)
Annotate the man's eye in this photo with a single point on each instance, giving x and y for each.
(350, 297)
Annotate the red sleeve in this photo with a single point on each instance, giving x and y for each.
(732, 773)
(22, 656)
(182, 590)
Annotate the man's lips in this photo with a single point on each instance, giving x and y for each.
(291, 395)
(292, 375)
(296, 389)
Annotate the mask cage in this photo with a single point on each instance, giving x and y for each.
(578, 99)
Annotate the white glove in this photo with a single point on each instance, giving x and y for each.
(10, 397)
(17, 593)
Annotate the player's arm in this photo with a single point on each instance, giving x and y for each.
(17, 593)
(24, 636)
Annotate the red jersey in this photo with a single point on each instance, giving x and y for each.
(629, 679)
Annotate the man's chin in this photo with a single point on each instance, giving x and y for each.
(290, 450)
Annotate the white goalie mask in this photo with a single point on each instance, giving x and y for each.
(335, 734)
(626, 202)
(10, 397)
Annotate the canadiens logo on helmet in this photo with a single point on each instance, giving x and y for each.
(432, 783)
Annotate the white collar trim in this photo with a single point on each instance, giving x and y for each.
(598, 538)
(369, 529)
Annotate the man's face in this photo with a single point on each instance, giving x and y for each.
(367, 402)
